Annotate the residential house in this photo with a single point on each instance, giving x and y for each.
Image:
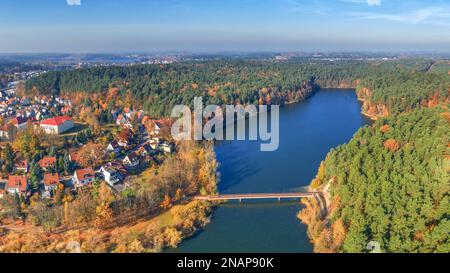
(131, 160)
(144, 150)
(17, 184)
(74, 157)
(20, 123)
(154, 143)
(123, 143)
(111, 175)
(125, 137)
(21, 166)
(124, 121)
(57, 125)
(48, 163)
(51, 182)
(4, 132)
(2, 188)
(83, 177)
(155, 128)
(113, 147)
(167, 147)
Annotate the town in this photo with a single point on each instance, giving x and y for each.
(69, 162)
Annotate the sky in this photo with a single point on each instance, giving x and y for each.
(96, 26)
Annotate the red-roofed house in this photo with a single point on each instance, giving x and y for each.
(51, 182)
(4, 132)
(17, 184)
(83, 177)
(47, 162)
(21, 166)
(57, 125)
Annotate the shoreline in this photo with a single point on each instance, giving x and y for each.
(193, 231)
(299, 101)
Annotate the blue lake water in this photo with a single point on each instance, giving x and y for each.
(308, 130)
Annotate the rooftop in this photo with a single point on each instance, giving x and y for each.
(56, 121)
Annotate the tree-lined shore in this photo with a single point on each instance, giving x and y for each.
(389, 184)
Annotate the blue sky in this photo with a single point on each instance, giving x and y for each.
(223, 25)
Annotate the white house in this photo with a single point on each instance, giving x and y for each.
(83, 177)
(166, 147)
(113, 147)
(154, 143)
(131, 160)
(112, 177)
(51, 182)
(122, 143)
(57, 125)
(122, 120)
(156, 128)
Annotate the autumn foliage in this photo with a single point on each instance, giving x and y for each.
(385, 129)
(391, 145)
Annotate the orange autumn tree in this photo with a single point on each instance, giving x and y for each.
(91, 154)
(167, 202)
(385, 129)
(91, 118)
(318, 181)
(391, 145)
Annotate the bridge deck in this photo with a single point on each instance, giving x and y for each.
(225, 197)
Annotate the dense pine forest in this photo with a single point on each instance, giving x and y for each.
(404, 90)
(159, 88)
(389, 184)
(398, 85)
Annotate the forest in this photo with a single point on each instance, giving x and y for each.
(405, 90)
(389, 184)
(157, 88)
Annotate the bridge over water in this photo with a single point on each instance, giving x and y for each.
(317, 195)
(256, 196)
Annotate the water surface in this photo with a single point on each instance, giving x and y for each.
(308, 130)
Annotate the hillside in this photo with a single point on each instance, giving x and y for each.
(389, 184)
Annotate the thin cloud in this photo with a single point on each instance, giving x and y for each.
(432, 15)
(368, 2)
(317, 7)
(374, 2)
(74, 2)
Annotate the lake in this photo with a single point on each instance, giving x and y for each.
(308, 130)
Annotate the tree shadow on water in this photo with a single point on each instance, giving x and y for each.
(235, 167)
